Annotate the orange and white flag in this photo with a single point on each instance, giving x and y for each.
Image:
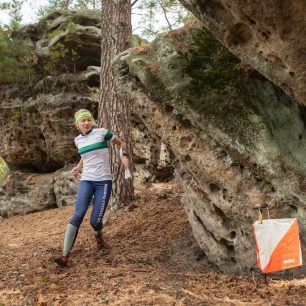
(278, 244)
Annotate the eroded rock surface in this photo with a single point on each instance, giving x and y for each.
(152, 158)
(268, 35)
(238, 141)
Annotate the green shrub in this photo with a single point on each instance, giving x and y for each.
(15, 60)
(58, 53)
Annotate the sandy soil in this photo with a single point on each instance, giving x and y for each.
(151, 259)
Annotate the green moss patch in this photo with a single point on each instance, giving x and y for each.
(4, 169)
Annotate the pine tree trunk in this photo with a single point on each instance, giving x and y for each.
(114, 113)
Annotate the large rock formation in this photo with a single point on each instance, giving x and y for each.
(74, 36)
(238, 139)
(268, 35)
(36, 118)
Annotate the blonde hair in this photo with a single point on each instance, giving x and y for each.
(82, 110)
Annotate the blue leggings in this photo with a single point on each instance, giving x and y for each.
(100, 191)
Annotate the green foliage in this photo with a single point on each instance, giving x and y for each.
(24, 115)
(58, 53)
(15, 60)
(61, 59)
(52, 6)
(87, 4)
(201, 74)
(4, 169)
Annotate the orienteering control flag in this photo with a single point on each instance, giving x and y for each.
(278, 244)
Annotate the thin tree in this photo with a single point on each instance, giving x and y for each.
(114, 113)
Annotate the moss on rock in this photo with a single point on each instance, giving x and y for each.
(201, 77)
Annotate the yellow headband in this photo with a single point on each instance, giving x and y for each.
(82, 115)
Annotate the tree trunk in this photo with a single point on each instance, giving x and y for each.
(114, 113)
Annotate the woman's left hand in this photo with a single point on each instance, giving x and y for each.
(125, 161)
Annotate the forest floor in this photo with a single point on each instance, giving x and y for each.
(151, 259)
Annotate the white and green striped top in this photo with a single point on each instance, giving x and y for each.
(93, 148)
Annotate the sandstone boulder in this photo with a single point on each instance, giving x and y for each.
(238, 141)
(23, 193)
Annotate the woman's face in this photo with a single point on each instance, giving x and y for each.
(85, 124)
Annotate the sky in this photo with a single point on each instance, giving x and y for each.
(28, 11)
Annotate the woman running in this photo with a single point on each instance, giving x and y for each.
(96, 179)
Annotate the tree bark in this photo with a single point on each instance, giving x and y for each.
(114, 113)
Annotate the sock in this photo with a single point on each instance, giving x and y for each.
(70, 236)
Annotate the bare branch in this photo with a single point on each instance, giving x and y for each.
(133, 3)
(165, 14)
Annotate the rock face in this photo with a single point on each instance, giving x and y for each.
(75, 37)
(26, 193)
(39, 132)
(36, 119)
(268, 35)
(238, 140)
